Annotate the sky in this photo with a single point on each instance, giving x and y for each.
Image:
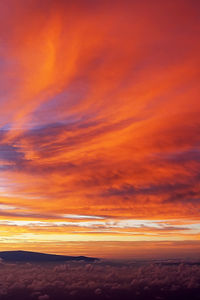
(99, 127)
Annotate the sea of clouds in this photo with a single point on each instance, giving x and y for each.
(100, 280)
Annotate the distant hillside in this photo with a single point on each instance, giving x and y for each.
(28, 256)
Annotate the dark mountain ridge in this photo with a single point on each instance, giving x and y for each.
(28, 256)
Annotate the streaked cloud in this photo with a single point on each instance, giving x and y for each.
(99, 121)
(70, 216)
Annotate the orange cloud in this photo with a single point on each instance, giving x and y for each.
(100, 115)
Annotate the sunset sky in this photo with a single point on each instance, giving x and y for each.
(100, 126)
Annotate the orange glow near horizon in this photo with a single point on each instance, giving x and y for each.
(99, 125)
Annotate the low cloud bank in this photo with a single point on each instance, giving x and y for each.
(78, 280)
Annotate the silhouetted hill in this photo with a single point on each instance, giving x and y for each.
(28, 256)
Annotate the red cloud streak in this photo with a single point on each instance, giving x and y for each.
(99, 117)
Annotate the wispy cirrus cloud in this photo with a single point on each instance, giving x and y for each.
(100, 112)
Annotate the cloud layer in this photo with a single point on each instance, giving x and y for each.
(153, 280)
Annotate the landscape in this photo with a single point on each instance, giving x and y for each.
(99, 150)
